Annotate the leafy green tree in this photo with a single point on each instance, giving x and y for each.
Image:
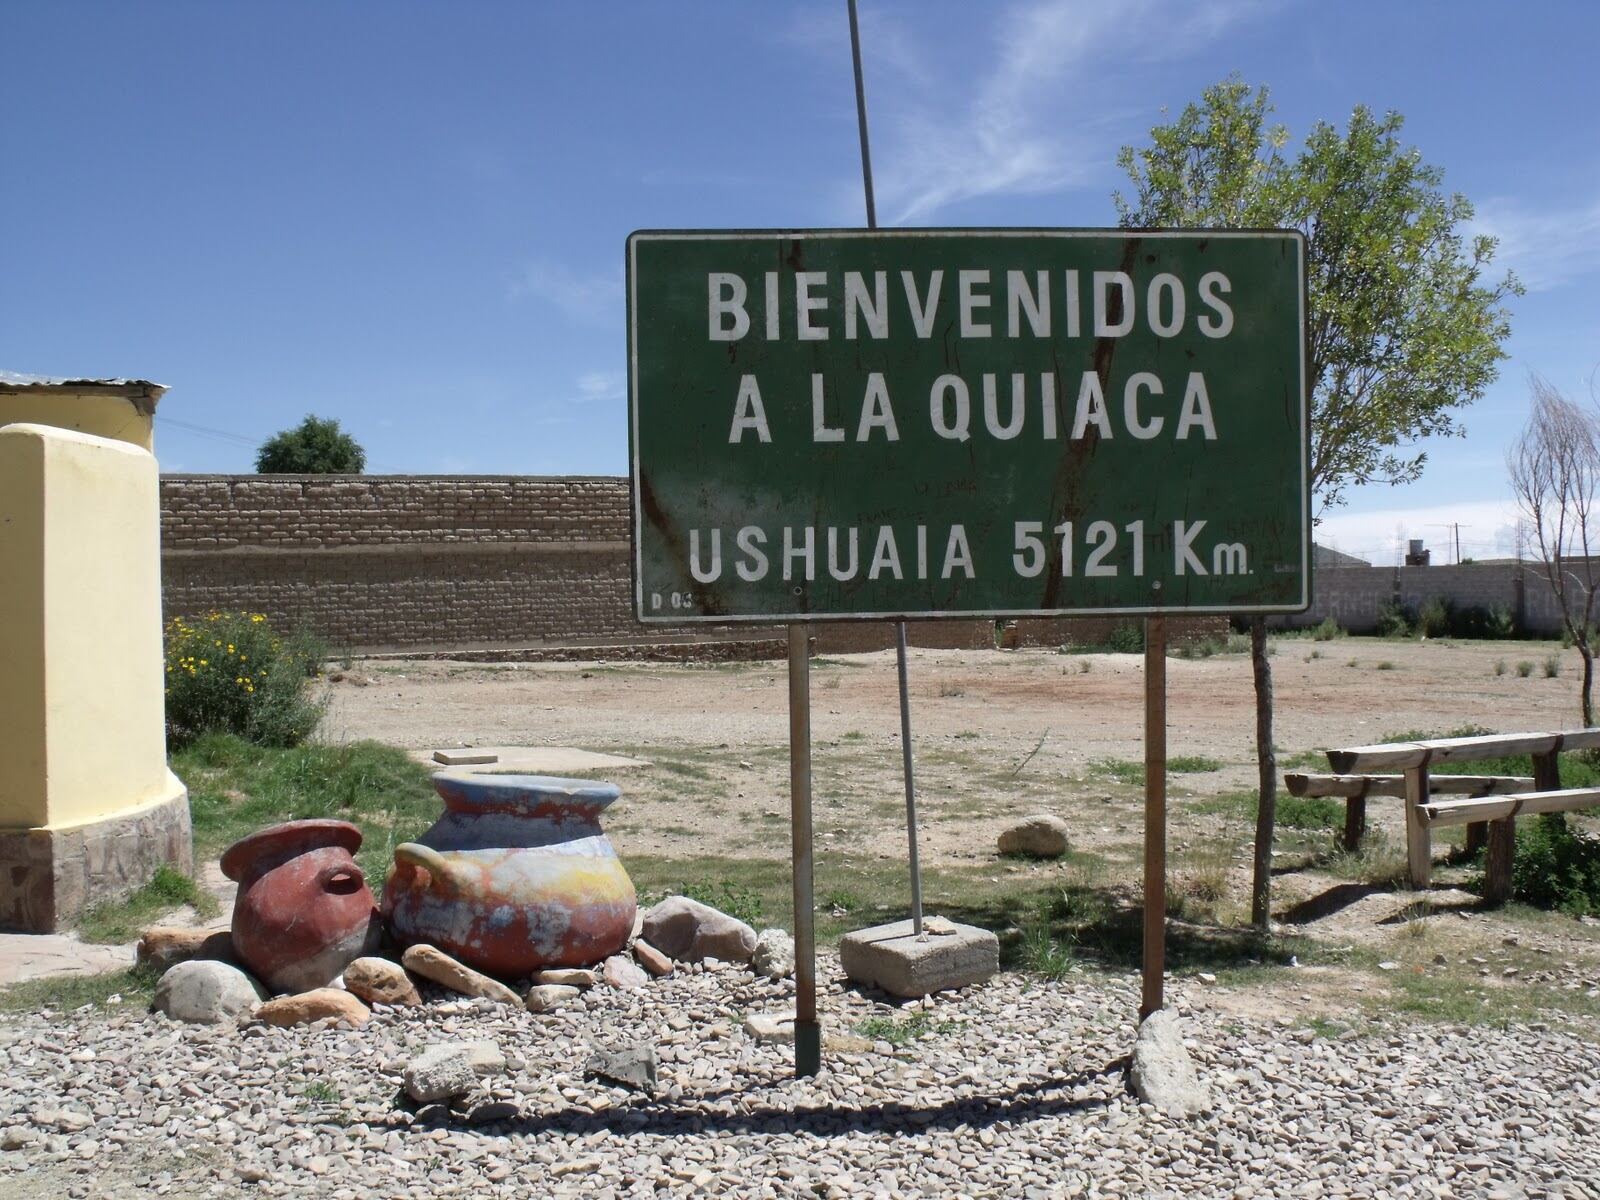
(1404, 329)
(313, 447)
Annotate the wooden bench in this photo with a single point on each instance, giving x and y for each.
(1487, 802)
(1354, 790)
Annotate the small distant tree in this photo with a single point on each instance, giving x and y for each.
(1555, 475)
(1403, 326)
(314, 447)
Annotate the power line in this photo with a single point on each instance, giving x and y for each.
(205, 431)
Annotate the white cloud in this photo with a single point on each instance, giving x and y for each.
(1545, 247)
(1487, 529)
(1035, 117)
(584, 296)
(601, 386)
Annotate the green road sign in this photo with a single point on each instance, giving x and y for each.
(917, 423)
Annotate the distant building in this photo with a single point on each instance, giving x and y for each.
(1324, 558)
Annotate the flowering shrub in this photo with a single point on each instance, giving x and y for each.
(229, 672)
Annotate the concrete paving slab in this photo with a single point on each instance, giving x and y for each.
(893, 958)
(464, 758)
(541, 760)
(26, 956)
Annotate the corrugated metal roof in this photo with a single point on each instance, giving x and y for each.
(13, 379)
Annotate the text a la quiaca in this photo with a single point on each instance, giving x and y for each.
(952, 407)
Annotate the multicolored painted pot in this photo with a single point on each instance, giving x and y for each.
(515, 877)
(304, 911)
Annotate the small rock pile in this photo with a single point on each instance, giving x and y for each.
(201, 984)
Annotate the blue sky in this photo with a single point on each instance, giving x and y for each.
(411, 216)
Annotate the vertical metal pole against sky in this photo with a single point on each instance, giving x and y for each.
(899, 626)
(1155, 814)
(807, 1032)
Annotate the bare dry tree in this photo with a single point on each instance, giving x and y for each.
(1555, 475)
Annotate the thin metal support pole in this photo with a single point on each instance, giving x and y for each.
(911, 783)
(901, 669)
(807, 1032)
(1155, 814)
(861, 116)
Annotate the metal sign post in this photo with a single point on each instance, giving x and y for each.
(807, 1032)
(1155, 814)
(901, 669)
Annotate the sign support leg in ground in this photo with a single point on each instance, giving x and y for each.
(1155, 814)
(899, 626)
(911, 782)
(807, 1032)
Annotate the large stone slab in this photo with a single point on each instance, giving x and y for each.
(893, 958)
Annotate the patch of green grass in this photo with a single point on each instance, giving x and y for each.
(118, 921)
(236, 788)
(1043, 954)
(1187, 764)
(322, 1092)
(968, 735)
(1377, 861)
(1303, 759)
(879, 891)
(64, 993)
(1552, 667)
(853, 735)
(1120, 770)
(899, 1031)
(1524, 669)
(842, 902)
(1209, 647)
(1383, 665)
(1293, 812)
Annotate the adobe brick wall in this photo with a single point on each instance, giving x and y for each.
(393, 562)
(1352, 596)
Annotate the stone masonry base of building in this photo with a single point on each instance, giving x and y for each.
(48, 877)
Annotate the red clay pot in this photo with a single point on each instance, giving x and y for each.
(304, 911)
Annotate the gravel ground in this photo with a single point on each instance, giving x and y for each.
(1013, 1089)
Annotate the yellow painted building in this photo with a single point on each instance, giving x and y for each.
(123, 409)
(88, 808)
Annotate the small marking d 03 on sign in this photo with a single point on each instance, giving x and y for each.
(920, 423)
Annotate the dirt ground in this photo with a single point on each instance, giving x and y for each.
(995, 734)
(998, 735)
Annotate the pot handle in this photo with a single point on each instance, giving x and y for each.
(342, 879)
(416, 856)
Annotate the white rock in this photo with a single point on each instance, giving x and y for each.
(546, 997)
(205, 992)
(440, 1072)
(1038, 836)
(774, 954)
(1162, 1073)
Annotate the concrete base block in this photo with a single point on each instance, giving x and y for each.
(893, 958)
(49, 876)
